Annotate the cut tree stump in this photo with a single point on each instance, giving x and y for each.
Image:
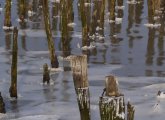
(112, 105)
(79, 71)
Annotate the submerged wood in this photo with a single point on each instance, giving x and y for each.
(130, 111)
(112, 105)
(53, 57)
(2, 105)
(13, 87)
(7, 20)
(79, 69)
(46, 76)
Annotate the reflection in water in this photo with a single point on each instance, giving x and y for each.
(55, 15)
(8, 40)
(153, 14)
(15, 108)
(150, 47)
(65, 87)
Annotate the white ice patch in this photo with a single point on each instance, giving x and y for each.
(88, 4)
(8, 28)
(133, 2)
(1, 9)
(119, 7)
(71, 24)
(162, 95)
(88, 47)
(98, 28)
(116, 21)
(30, 13)
(55, 1)
(19, 20)
(149, 25)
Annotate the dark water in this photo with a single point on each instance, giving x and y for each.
(126, 49)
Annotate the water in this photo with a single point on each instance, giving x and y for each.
(130, 50)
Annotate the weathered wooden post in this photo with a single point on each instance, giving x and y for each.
(13, 87)
(2, 105)
(112, 105)
(53, 57)
(46, 76)
(79, 69)
(84, 19)
(130, 111)
(112, 4)
(7, 21)
(22, 13)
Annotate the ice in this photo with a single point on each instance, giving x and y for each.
(8, 28)
(88, 47)
(71, 24)
(152, 25)
(1, 9)
(39, 117)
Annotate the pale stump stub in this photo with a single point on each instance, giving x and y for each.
(79, 71)
(111, 104)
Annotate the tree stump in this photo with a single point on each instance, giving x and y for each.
(79, 71)
(112, 105)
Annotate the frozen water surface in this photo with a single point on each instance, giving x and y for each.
(133, 50)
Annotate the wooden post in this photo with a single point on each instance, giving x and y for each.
(22, 13)
(2, 105)
(53, 57)
(79, 69)
(112, 105)
(112, 4)
(7, 21)
(130, 111)
(85, 27)
(46, 77)
(66, 12)
(13, 87)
